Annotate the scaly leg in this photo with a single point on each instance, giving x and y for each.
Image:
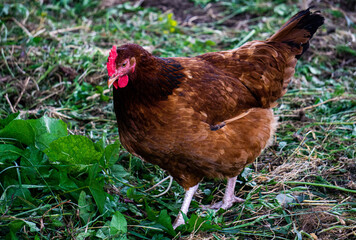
(229, 197)
(185, 206)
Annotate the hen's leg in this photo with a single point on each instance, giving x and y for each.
(229, 197)
(185, 206)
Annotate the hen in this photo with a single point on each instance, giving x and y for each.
(209, 115)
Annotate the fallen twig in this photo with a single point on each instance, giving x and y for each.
(22, 27)
(167, 189)
(39, 32)
(46, 97)
(159, 183)
(67, 30)
(22, 91)
(9, 102)
(321, 103)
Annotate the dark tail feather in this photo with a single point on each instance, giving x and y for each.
(299, 30)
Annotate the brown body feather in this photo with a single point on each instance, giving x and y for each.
(210, 115)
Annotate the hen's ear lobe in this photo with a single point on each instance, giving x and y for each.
(133, 64)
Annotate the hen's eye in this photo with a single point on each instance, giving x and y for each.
(124, 64)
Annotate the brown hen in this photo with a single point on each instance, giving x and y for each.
(205, 116)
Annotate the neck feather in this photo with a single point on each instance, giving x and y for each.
(154, 80)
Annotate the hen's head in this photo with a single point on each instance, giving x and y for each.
(121, 64)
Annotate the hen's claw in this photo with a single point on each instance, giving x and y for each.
(229, 197)
(223, 204)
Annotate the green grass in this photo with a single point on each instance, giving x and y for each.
(54, 100)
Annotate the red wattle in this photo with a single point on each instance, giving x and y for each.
(123, 81)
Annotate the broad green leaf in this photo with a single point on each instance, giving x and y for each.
(33, 131)
(84, 207)
(150, 213)
(32, 225)
(119, 171)
(96, 187)
(93, 174)
(6, 121)
(34, 165)
(165, 220)
(84, 235)
(134, 195)
(66, 183)
(100, 145)
(9, 152)
(118, 224)
(104, 233)
(14, 227)
(111, 154)
(193, 221)
(19, 130)
(74, 151)
(99, 195)
(47, 130)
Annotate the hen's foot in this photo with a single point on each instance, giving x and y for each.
(179, 221)
(184, 209)
(229, 197)
(224, 204)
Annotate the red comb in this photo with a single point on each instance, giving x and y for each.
(110, 65)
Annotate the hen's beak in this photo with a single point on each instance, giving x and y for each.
(112, 80)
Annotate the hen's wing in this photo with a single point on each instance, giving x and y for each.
(223, 85)
(228, 83)
(263, 68)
